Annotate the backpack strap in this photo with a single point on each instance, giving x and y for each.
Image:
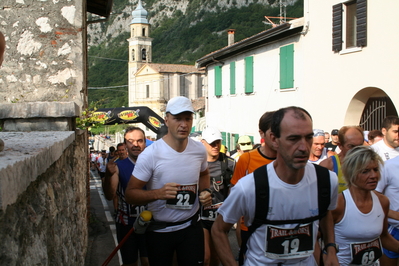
(226, 173)
(323, 189)
(261, 180)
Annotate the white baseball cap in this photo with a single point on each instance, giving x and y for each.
(179, 105)
(210, 134)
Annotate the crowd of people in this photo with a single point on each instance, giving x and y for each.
(303, 196)
(298, 198)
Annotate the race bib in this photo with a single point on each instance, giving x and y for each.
(289, 243)
(185, 198)
(135, 210)
(210, 212)
(366, 253)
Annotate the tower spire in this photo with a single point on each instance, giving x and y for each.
(139, 14)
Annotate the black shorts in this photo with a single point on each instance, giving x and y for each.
(133, 245)
(188, 243)
(101, 174)
(207, 225)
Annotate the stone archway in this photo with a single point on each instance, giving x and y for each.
(368, 108)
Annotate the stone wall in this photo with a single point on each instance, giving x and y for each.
(47, 224)
(45, 58)
(44, 185)
(44, 165)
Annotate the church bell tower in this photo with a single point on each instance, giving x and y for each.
(140, 44)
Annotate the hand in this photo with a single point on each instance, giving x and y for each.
(330, 259)
(112, 166)
(205, 198)
(168, 191)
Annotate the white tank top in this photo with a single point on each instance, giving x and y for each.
(356, 232)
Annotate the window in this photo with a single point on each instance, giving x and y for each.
(218, 81)
(287, 67)
(133, 58)
(233, 78)
(147, 91)
(199, 87)
(183, 85)
(143, 54)
(349, 25)
(143, 31)
(249, 74)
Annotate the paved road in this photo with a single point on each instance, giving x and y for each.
(102, 238)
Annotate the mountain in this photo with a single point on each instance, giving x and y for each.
(183, 31)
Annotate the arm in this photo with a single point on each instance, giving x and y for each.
(136, 195)
(393, 214)
(338, 213)
(111, 180)
(220, 231)
(239, 170)
(387, 240)
(327, 229)
(205, 197)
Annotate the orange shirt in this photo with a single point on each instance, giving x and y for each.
(246, 164)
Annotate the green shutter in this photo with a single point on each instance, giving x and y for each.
(218, 81)
(233, 78)
(252, 139)
(287, 66)
(249, 74)
(236, 137)
(224, 134)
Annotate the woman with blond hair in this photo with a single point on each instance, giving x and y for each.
(361, 214)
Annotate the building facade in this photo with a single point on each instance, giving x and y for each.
(331, 62)
(153, 84)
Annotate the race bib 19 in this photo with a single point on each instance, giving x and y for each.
(289, 243)
(185, 198)
(366, 253)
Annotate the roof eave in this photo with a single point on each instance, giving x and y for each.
(252, 42)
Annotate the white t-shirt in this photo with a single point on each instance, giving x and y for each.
(102, 164)
(384, 151)
(159, 164)
(287, 202)
(389, 185)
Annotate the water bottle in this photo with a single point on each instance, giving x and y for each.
(142, 222)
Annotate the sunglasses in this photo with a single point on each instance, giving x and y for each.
(245, 144)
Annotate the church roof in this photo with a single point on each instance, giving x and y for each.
(139, 15)
(174, 68)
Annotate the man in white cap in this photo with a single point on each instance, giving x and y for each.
(221, 168)
(174, 171)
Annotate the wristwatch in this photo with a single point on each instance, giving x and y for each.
(207, 189)
(331, 245)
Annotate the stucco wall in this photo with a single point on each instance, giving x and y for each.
(46, 47)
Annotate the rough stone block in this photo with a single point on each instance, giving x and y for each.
(26, 156)
(39, 109)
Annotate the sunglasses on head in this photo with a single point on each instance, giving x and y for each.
(245, 144)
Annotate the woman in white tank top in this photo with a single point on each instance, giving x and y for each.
(361, 214)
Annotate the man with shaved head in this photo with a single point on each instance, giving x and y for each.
(349, 137)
